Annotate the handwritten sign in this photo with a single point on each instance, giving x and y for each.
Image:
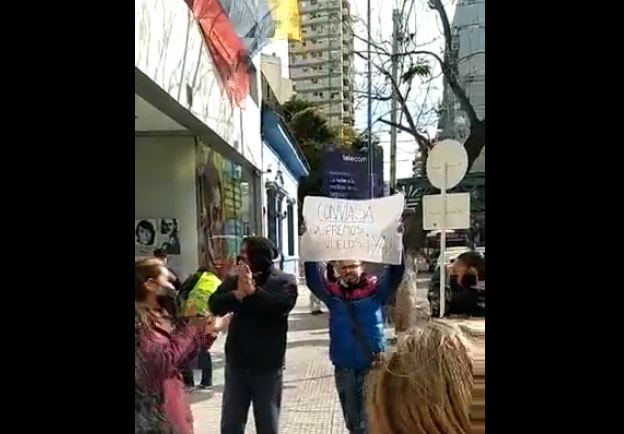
(364, 230)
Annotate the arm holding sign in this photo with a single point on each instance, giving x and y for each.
(389, 281)
(316, 281)
(391, 278)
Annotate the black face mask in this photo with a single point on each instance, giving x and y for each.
(468, 281)
(166, 291)
(166, 296)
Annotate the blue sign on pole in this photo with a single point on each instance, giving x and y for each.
(345, 175)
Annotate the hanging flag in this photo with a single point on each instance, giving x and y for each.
(252, 20)
(229, 55)
(287, 19)
(257, 22)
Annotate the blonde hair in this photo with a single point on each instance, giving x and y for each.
(425, 387)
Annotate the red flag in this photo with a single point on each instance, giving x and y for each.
(228, 53)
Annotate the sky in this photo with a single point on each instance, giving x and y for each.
(427, 27)
(425, 23)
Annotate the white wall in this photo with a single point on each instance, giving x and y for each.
(164, 185)
(164, 54)
(291, 263)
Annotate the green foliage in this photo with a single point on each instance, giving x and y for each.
(311, 129)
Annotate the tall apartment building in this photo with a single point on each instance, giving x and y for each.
(468, 42)
(321, 65)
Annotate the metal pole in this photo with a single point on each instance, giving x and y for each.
(396, 16)
(371, 166)
(443, 246)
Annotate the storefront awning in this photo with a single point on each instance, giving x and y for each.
(276, 135)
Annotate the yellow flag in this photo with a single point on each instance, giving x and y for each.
(287, 19)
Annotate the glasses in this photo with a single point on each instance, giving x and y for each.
(350, 267)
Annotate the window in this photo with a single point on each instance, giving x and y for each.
(272, 215)
(253, 86)
(455, 43)
(291, 229)
(280, 231)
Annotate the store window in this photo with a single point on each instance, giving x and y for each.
(225, 209)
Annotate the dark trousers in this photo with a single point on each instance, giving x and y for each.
(350, 384)
(187, 375)
(205, 364)
(243, 387)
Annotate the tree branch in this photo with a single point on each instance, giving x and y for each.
(423, 143)
(397, 126)
(450, 69)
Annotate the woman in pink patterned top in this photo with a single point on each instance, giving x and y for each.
(164, 343)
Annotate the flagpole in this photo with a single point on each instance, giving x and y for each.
(371, 154)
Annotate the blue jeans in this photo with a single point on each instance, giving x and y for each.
(350, 384)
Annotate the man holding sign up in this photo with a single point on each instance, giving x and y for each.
(348, 232)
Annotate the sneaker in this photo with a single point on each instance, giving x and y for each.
(204, 388)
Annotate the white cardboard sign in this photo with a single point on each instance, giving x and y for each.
(457, 211)
(364, 230)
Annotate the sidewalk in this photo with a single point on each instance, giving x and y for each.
(310, 403)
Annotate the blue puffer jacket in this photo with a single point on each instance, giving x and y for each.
(367, 299)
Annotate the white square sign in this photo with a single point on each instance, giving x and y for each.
(457, 211)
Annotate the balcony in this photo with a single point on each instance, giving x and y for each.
(324, 6)
(312, 61)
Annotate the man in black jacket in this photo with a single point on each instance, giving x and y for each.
(260, 297)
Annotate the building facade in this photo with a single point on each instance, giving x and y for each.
(276, 89)
(283, 166)
(322, 64)
(200, 181)
(468, 43)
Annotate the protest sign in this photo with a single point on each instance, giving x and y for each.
(364, 230)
